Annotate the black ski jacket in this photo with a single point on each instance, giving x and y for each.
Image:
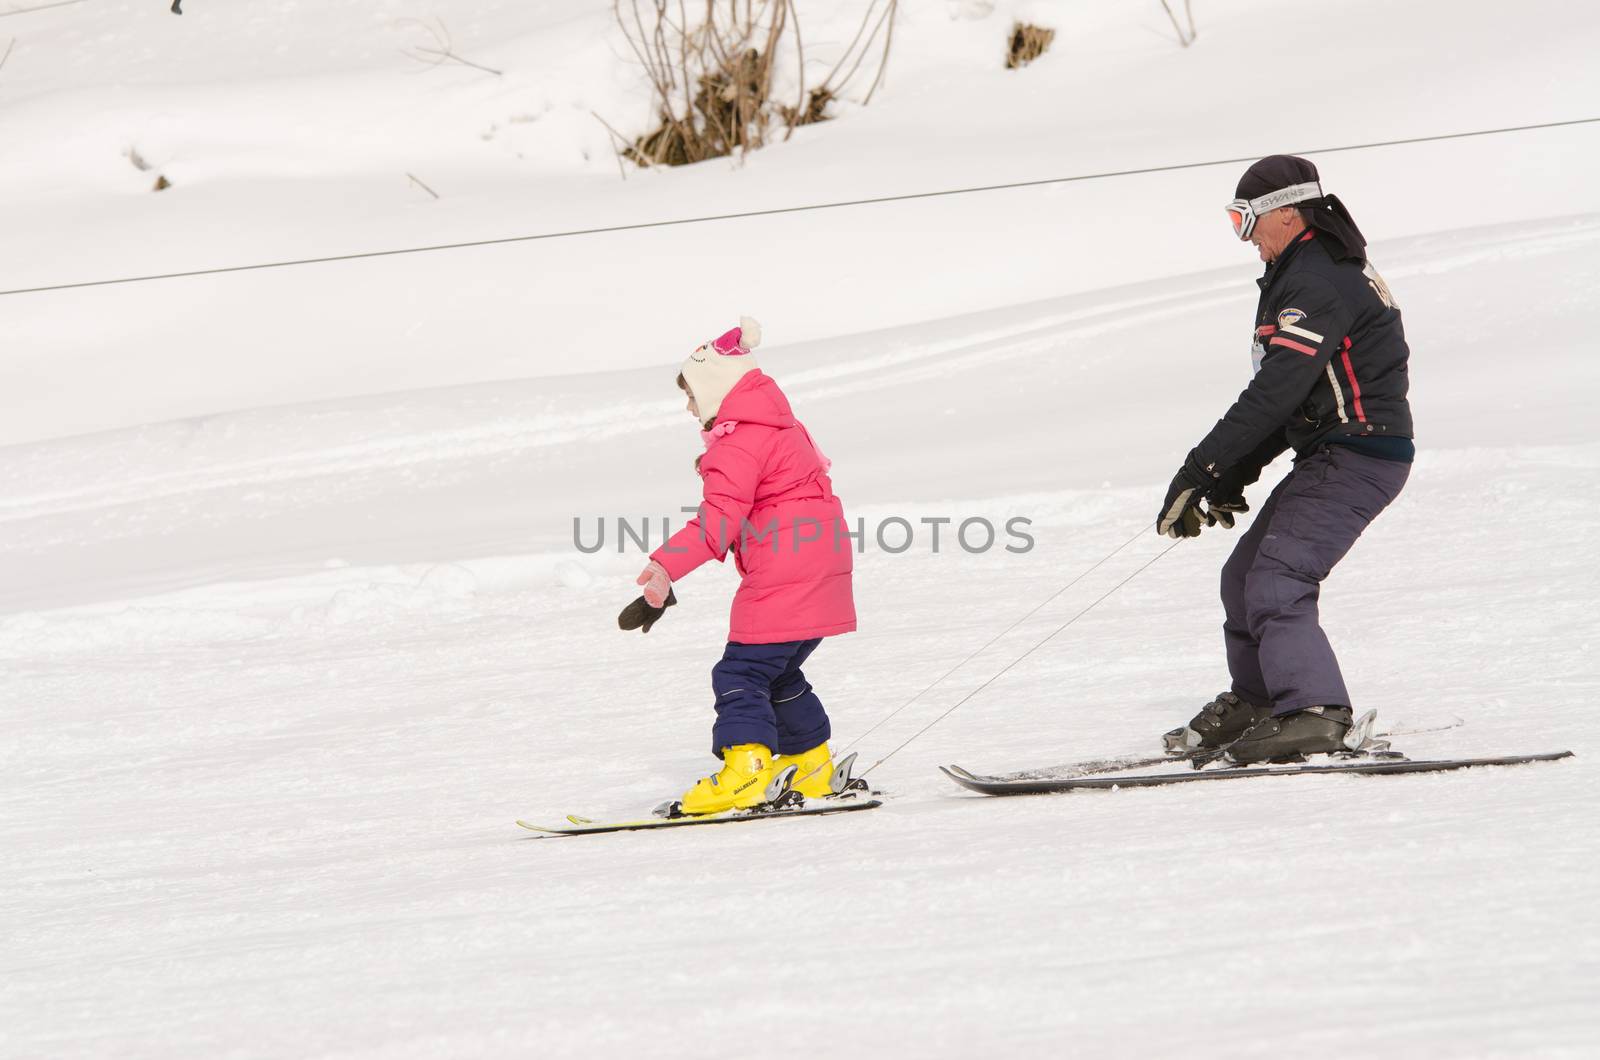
(1331, 366)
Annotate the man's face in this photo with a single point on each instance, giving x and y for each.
(1275, 230)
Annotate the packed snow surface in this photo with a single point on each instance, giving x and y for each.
(294, 624)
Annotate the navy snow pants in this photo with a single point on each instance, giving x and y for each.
(1277, 652)
(762, 697)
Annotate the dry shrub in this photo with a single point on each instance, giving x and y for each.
(712, 80)
(1187, 36)
(1028, 42)
(815, 110)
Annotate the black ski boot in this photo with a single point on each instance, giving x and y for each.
(1315, 730)
(1219, 722)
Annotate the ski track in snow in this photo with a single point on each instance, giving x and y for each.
(538, 423)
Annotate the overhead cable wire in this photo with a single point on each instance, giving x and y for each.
(777, 211)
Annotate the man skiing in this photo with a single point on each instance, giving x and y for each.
(1330, 382)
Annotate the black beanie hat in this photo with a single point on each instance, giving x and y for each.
(1326, 214)
(1274, 173)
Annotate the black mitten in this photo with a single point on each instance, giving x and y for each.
(641, 616)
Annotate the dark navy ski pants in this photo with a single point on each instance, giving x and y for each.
(762, 697)
(1277, 652)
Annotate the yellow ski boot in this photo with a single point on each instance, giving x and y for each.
(813, 772)
(740, 783)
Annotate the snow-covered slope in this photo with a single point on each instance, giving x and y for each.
(293, 626)
(288, 131)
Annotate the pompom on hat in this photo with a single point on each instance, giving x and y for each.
(713, 369)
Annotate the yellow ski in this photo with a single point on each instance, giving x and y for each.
(585, 826)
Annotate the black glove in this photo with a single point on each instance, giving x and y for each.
(640, 615)
(1223, 503)
(1180, 514)
(1225, 498)
(1223, 516)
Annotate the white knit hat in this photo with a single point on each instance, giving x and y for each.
(713, 369)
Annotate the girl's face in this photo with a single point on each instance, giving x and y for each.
(694, 410)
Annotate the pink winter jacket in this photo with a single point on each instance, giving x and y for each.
(769, 500)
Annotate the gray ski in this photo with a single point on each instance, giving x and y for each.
(1039, 784)
(1366, 740)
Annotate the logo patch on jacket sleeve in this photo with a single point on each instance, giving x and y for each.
(1290, 317)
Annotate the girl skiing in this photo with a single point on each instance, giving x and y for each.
(769, 501)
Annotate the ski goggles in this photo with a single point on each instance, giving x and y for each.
(1245, 212)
